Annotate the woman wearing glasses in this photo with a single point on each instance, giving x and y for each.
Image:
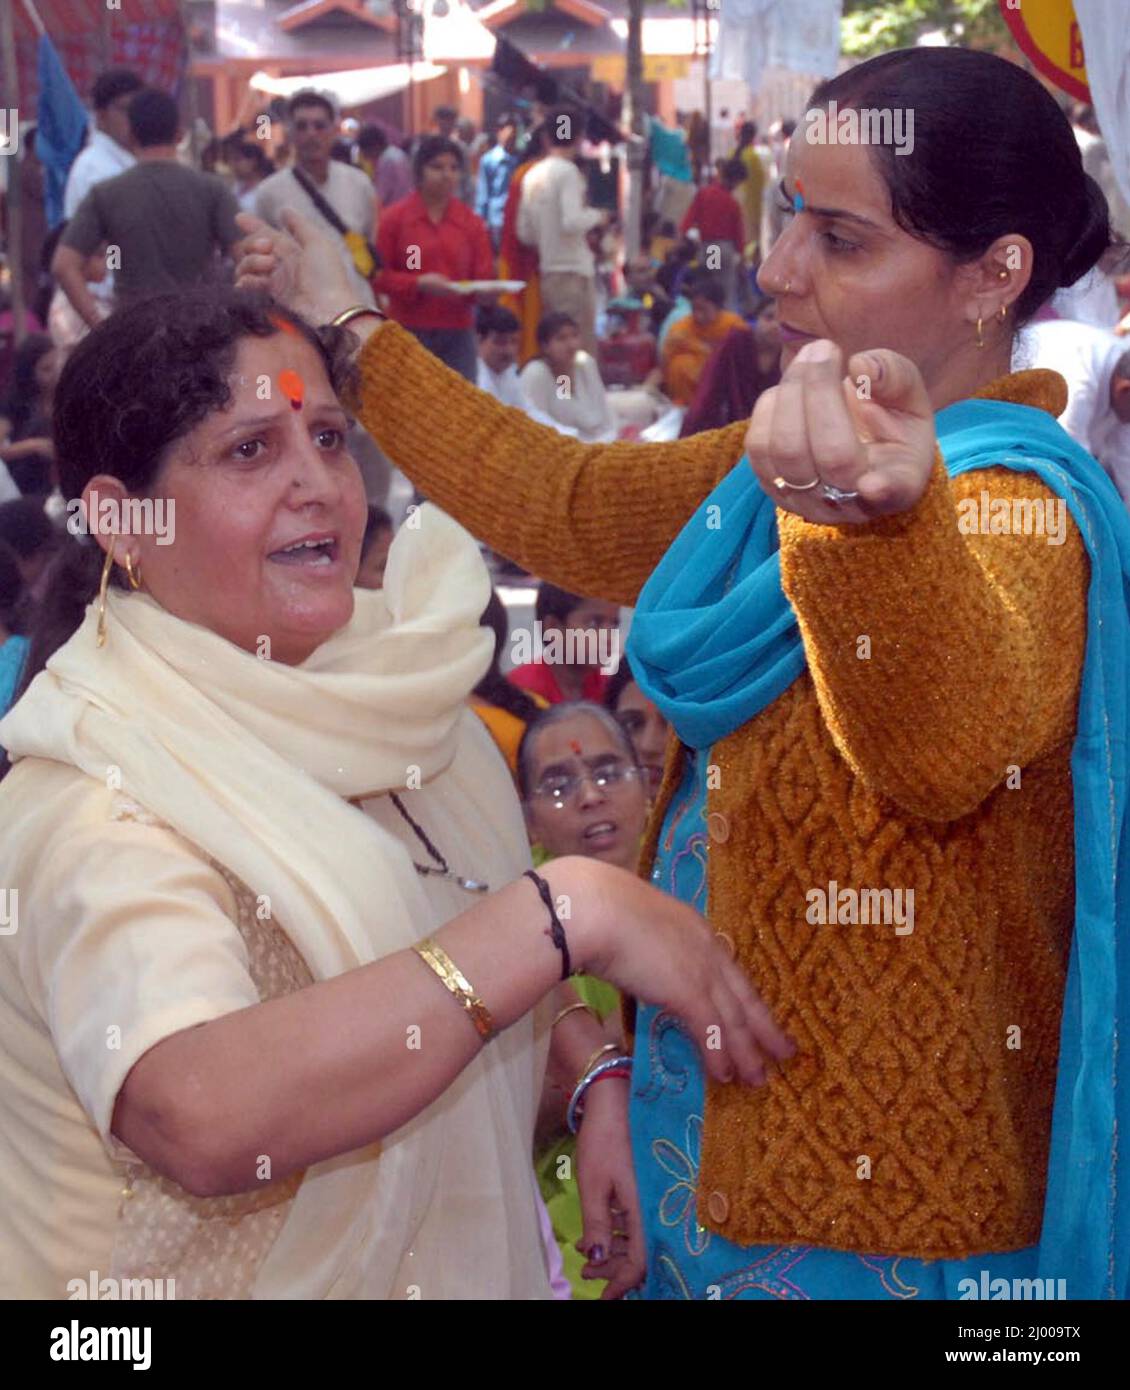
(583, 793)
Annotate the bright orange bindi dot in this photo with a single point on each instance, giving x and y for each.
(575, 746)
(290, 383)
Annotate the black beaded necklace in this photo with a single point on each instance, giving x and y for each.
(470, 885)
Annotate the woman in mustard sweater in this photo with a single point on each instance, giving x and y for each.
(893, 645)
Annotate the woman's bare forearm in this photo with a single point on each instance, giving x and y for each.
(342, 1063)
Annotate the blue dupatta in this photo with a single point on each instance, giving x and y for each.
(714, 641)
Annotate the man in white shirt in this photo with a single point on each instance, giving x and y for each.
(110, 149)
(108, 153)
(312, 125)
(552, 216)
(1096, 366)
(499, 332)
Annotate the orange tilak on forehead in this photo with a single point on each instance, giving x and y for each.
(576, 747)
(284, 325)
(290, 383)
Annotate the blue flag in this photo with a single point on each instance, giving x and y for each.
(62, 125)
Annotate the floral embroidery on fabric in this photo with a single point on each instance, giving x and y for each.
(677, 1205)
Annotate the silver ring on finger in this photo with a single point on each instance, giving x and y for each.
(837, 496)
(781, 483)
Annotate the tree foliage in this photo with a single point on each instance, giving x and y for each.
(874, 26)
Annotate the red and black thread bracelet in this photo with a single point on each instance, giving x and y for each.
(556, 930)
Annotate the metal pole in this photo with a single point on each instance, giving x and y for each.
(709, 102)
(15, 209)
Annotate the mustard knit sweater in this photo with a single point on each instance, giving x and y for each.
(938, 763)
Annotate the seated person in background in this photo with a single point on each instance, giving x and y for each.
(564, 382)
(691, 340)
(641, 721)
(25, 420)
(374, 549)
(744, 365)
(640, 283)
(499, 333)
(1096, 366)
(503, 708)
(583, 792)
(574, 638)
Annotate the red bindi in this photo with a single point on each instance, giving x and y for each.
(575, 746)
(291, 385)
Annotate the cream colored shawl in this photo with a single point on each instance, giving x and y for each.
(251, 761)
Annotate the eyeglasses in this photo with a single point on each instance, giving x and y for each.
(564, 787)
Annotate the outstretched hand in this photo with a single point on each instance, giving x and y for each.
(869, 432)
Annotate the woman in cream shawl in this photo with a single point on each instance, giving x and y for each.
(240, 794)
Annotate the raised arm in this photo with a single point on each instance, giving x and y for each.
(592, 518)
(942, 659)
(942, 656)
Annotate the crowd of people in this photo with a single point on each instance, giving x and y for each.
(284, 789)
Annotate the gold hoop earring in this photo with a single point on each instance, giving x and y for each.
(107, 567)
(1002, 312)
(134, 577)
(980, 334)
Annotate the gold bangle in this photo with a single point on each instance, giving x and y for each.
(570, 1008)
(435, 956)
(596, 1056)
(348, 315)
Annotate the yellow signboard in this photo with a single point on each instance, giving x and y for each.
(1049, 34)
(611, 68)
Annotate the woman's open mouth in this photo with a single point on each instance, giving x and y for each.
(312, 552)
(602, 834)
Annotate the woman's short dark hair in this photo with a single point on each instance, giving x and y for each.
(552, 324)
(431, 147)
(138, 382)
(992, 154)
